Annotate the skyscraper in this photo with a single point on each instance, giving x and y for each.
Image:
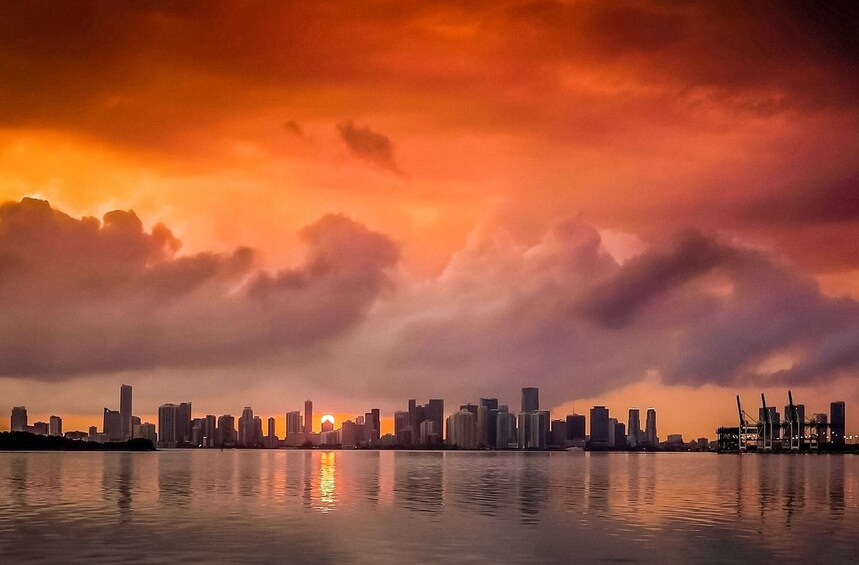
(19, 419)
(837, 422)
(272, 438)
(210, 431)
(462, 427)
(402, 430)
(308, 416)
(125, 411)
(634, 427)
(293, 422)
(168, 416)
(650, 436)
(183, 423)
(530, 399)
(112, 425)
(226, 433)
(56, 426)
(576, 427)
(599, 426)
(246, 427)
(435, 413)
(505, 429)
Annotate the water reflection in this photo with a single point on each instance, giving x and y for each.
(418, 479)
(174, 479)
(474, 506)
(327, 481)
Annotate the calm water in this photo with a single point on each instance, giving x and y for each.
(416, 507)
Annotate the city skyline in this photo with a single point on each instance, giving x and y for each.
(486, 425)
(274, 203)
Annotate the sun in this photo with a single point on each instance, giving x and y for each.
(328, 418)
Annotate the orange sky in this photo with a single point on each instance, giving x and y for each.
(486, 144)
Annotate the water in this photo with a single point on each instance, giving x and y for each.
(417, 507)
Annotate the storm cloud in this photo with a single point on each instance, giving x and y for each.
(87, 296)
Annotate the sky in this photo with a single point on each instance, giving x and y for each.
(254, 203)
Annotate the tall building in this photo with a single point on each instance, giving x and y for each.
(168, 418)
(373, 426)
(308, 416)
(558, 437)
(226, 435)
(821, 424)
(634, 427)
(210, 431)
(183, 431)
(257, 440)
(198, 432)
(55, 426)
(144, 431)
(650, 436)
(271, 438)
(505, 429)
(576, 428)
(533, 429)
(435, 413)
(402, 430)
(837, 422)
(462, 430)
(246, 427)
(530, 399)
(430, 436)
(19, 419)
(112, 425)
(599, 426)
(487, 422)
(293, 422)
(125, 411)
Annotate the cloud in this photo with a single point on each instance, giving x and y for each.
(369, 145)
(84, 296)
(563, 315)
(293, 127)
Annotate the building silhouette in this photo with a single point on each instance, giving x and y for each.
(168, 419)
(599, 426)
(125, 411)
(837, 422)
(576, 428)
(530, 399)
(634, 427)
(55, 426)
(112, 425)
(650, 436)
(462, 430)
(308, 417)
(19, 419)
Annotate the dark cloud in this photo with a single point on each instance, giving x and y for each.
(83, 296)
(369, 145)
(565, 316)
(293, 127)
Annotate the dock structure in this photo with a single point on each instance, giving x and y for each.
(768, 433)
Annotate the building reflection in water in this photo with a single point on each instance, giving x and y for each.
(18, 477)
(125, 485)
(598, 482)
(174, 478)
(533, 487)
(371, 480)
(836, 485)
(418, 481)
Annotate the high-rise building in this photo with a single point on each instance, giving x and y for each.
(112, 425)
(599, 426)
(41, 428)
(650, 436)
(373, 426)
(210, 431)
(505, 429)
(558, 437)
(533, 429)
(487, 422)
(435, 413)
(821, 422)
(125, 411)
(308, 417)
(56, 426)
(634, 427)
(144, 431)
(168, 418)
(226, 435)
(271, 439)
(293, 422)
(19, 419)
(183, 431)
(402, 430)
(429, 435)
(462, 430)
(576, 428)
(530, 399)
(257, 432)
(617, 434)
(246, 427)
(198, 432)
(837, 422)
